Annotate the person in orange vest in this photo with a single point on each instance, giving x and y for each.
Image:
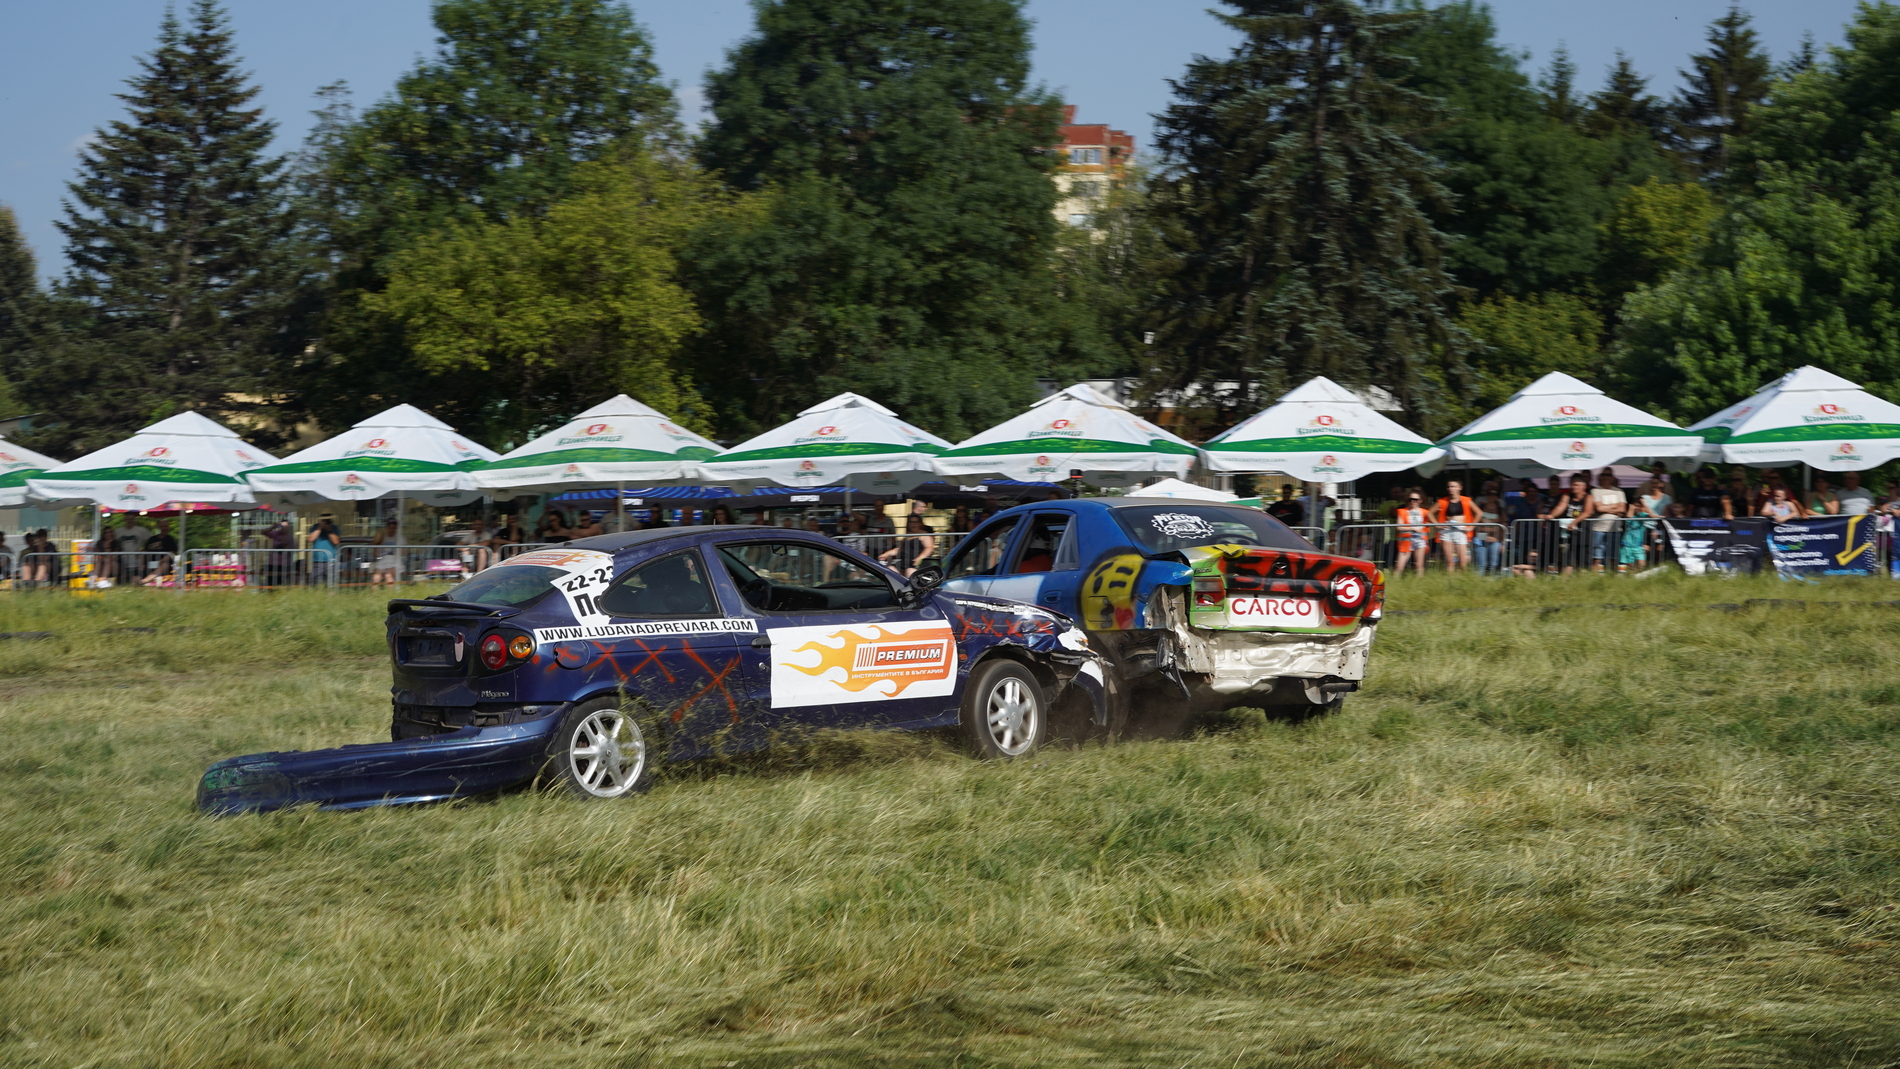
(1455, 508)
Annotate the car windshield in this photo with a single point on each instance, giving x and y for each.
(513, 585)
(1161, 528)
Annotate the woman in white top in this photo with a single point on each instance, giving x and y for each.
(1781, 507)
(1607, 504)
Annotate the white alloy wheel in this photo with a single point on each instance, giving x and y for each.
(606, 753)
(1003, 711)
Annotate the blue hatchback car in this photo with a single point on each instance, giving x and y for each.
(588, 664)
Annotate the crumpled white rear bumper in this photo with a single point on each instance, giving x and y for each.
(1239, 661)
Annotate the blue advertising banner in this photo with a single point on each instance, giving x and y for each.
(1831, 545)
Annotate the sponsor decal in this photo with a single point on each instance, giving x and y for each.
(833, 665)
(1060, 428)
(646, 628)
(1832, 413)
(1042, 465)
(1569, 414)
(1578, 451)
(827, 433)
(1324, 423)
(1328, 464)
(158, 454)
(803, 499)
(592, 434)
(157, 451)
(132, 492)
(572, 471)
(1284, 612)
(352, 484)
(375, 446)
(1182, 525)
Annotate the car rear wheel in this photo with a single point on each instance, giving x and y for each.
(600, 750)
(1003, 710)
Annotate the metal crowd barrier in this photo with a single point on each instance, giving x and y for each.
(88, 571)
(906, 552)
(1384, 544)
(1608, 544)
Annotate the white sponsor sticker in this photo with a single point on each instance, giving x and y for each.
(841, 664)
(586, 575)
(644, 628)
(1274, 612)
(1182, 525)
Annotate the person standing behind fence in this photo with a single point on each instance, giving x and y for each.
(1853, 497)
(388, 565)
(160, 551)
(1288, 509)
(1563, 544)
(1486, 546)
(1414, 545)
(1651, 504)
(1822, 501)
(1459, 511)
(1604, 510)
(325, 545)
(1707, 501)
(1781, 506)
(1741, 500)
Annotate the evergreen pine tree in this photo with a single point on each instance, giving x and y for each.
(1558, 87)
(904, 243)
(1723, 84)
(1295, 201)
(20, 303)
(1634, 127)
(177, 282)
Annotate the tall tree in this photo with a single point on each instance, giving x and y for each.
(1803, 264)
(904, 246)
(1295, 200)
(20, 303)
(1558, 89)
(177, 284)
(1633, 125)
(1723, 83)
(490, 129)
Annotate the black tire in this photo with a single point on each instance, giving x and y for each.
(1004, 714)
(604, 748)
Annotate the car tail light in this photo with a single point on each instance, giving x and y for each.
(1350, 590)
(521, 647)
(1209, 590)
(494, 653)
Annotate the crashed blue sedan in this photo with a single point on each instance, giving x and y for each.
(587, 665)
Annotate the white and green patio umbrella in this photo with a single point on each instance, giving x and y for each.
(1076, 429)
(402, 451)
(1560, 423)
(616, 443)
(848, 440)
(1318, 433)
(17, 465)
(186, 459)
(1808, 416)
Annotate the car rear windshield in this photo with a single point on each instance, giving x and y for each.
(513, 585)
(1161, 528)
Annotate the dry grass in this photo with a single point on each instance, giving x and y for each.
(1590, 837)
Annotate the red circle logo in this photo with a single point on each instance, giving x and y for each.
(157, 451)
(131, 488)
(598, 428)
(1325, 421)
(1329, 460)
(1569, 410)
(1042, 462)
(1349, 590)
(826, 431)
(1576, 447)
(376, 443)
(1061, 424)
(806, 465)
(1830, 410)
(1846, 447)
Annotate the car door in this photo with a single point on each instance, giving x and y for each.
(976, 562)
(1045, 566)
(841, 650)
(673, 644)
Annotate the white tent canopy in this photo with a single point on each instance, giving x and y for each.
(187, 459)
(17, 465)
(1185, 491)
(847, 440)
(616, 443)
(1320, 432)
(402, 451)
(1076, 429)
(1808, 416)
(1559, 423)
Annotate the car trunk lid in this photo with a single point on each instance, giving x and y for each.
(1251, 588)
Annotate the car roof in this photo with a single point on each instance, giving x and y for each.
(615, 543)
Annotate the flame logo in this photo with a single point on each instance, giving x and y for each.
(885, 656)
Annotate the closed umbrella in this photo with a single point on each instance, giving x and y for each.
(1808, 416)
(1560, 423)
(849, 440)
(1072, 430)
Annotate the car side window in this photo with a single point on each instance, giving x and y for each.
(802, 577)
(982, 552)
(1049, 534)
(673, 585)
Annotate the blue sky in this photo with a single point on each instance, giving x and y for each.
(61, 63)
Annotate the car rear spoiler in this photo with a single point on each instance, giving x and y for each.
(457, 607)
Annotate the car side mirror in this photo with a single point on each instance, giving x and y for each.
(921, 584)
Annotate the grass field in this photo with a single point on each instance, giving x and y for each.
(1590, 837)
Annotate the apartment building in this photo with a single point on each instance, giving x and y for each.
(1093, 156)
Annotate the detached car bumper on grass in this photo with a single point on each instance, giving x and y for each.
(590, 665)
